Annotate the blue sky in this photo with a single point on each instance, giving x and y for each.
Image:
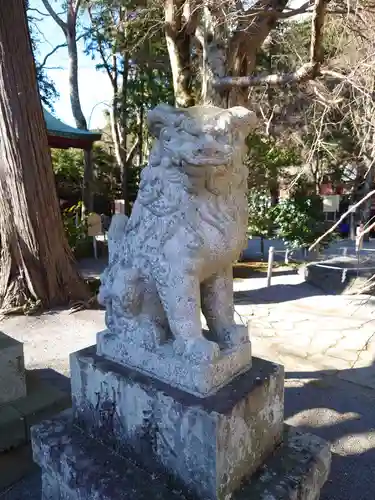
(94, 85)
(95, 88)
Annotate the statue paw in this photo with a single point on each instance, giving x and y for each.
(197, 350)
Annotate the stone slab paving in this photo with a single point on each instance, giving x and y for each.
(292, 323)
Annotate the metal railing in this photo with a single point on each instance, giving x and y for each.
(359, 259)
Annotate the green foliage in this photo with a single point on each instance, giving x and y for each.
(260, 222)
(299, 220)
(267, 160)
(68, 165)
(128, 31)
(76, 231)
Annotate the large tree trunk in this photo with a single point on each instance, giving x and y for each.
(35, 260)
(178, 35)
(230, 35)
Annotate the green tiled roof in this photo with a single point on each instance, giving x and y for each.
(56, 127)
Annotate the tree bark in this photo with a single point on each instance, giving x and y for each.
(124, 134)
(75, 100)
(35, 260)
(178, 34)
(229, 58)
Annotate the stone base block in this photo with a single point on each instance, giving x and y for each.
(75, 467)
(200, 379)
(16, 418)
(12, 369)
(209, 443)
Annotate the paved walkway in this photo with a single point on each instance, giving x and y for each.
(323, 342)
(291, 322)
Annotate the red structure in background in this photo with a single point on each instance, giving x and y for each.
(62, 136)
(328, 189)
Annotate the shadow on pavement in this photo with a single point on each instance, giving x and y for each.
(276, 294)
(53, 378)
(344, 414)
(243, 271)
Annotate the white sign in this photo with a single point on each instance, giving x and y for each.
(119, 206)
(331, 203)
(94, 225)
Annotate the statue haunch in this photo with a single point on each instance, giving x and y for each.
(173, 256)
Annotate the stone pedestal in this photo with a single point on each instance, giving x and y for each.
(12, 369)
(209, 444)
(130, 432)
(200, 379)
(24, 399)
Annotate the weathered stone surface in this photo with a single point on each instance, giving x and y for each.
(16, 418)
(208, 443)
(174, 255)
(201, 379)
(15, 464)
(79, 468)
(297, 471)
(12, 428)
(42, 401)
(12, 369)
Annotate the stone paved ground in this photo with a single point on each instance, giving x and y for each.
(327, 344)
(291, 322)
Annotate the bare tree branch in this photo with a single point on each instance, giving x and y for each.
(76, 8)
(132, 151)
(44, 14)
(303, 74)
(285, 14)
(54, 15)
(308, 71)
(317, 25)
(55, 49)
(43, 63)
(351, 209)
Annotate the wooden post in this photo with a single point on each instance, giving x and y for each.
(95, 245)
(271, 252)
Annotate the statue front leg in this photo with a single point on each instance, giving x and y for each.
(218, 309)
(181, 301)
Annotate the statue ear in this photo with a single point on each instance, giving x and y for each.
(162, 116)
(243, 119)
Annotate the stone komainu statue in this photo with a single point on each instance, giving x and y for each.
(173, 256)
